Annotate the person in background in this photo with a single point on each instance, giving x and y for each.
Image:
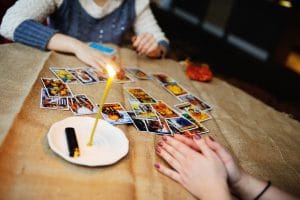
(74, 23)
(208, 171)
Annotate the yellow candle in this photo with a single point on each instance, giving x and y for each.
(111, 73)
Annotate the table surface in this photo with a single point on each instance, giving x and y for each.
(264, 141)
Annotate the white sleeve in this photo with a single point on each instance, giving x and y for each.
(22, 10)
(145, 21)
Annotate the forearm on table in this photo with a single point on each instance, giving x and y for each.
(26, 10)
(249, 187)
(64, 43)
(220, 191)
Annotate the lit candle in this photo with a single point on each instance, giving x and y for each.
(111, 74)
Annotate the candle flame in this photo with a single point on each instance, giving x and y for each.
(110, 70)
(285, 3)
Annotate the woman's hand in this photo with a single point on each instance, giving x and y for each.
(200, 172)
(88, 55)
(233, 170)
(94, 58)
(145, 43)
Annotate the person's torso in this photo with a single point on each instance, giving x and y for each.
(71, 19)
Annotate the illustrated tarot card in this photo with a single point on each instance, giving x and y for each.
(82, 75)
(195, 101)
(163, 78)
(138, 73)
(142, 111)
(200, 129)
(139, 124)
(55, 87)
(182, 124)
(175, 89)
(46, 101)
(198, 114)
(114, 113)
(63, 75)
(164, 110)
(98, 74)
(140, 95)
(183, 107)
(62, 103)
(155, 126)
(81, 105)
(173, 129)
(125, 79)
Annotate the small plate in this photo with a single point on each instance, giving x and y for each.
(110, 143)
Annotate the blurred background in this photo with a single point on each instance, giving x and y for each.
(252, 44)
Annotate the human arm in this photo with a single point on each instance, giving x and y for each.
(90, 56)
(201, 173)
(23, 22)
(150, 39)
(241, 184)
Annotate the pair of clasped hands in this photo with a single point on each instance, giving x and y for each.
(208, 171)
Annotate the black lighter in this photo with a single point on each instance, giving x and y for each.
(72, 142)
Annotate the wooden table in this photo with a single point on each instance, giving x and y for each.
(264, 141)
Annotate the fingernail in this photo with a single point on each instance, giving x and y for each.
(164, 138)
(211, 138)
(158, 150)
(160, 144)
(156, 166)
(197, 137)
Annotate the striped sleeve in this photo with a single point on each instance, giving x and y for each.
(23, 10)
(33, 34)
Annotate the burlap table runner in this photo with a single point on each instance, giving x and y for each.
(264, 141)
(19, 67)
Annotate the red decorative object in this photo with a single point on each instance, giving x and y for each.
(199, 72)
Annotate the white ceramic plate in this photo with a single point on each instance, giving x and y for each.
(110, 143)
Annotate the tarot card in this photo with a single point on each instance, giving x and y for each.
(175, 89)
(142, 111)
(155, 126)
(173, 129)
(195, 101)
(114, 113)
(200, 129)
(163, 78)
(81, 105)
(55, 87)
(125, 79)
(97, 74)
(138, 73)
(164, 110)
(104, 49)
(182, 107)
(166, 126)
(197, 114)
(182, 124)
(139, 124)
(82, 75)
(62, 103)
(46, 101)
(63, 75)
(140, 95)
